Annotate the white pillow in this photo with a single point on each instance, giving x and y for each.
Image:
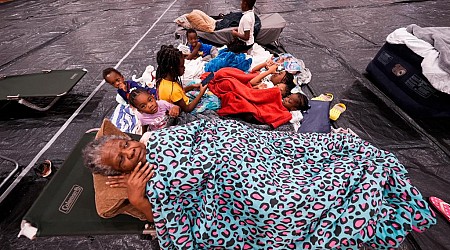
(183, 22)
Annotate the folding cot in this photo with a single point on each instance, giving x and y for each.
(66, 206)
(48, 83)
(271, 27)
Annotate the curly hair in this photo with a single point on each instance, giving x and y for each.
(133, 94)
(289, 81)
(168, 59)
(108, 71)
(92, 154)
(189, 31)
(303, 105)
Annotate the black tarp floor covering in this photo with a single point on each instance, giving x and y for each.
(336, 40)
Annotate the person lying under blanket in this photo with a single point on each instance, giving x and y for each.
(234, 89)
(270, 75)
(221, 184)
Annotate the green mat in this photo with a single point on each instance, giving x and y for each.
(66, 206)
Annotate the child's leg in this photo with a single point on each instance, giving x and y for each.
(214, 52)
(207, 58)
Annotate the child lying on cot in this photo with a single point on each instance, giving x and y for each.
(116, 79)
(152, 113)
(272, 77)
(214, 184)
(199, 49)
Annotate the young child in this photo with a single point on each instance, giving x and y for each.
(198, 48)
(296, 101)
(273, 78)
(243, 35)
(116, 79)
(168, 84)
(152, 113)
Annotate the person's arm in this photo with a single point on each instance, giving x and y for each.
(260, 86)
(136, 189)
(191, 87)
(258, 67)
(194, 52)
(174, 111)
(244, 36)
(267, 63)
(257, 79)
(189, 107)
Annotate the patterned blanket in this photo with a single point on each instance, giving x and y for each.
(226, 185)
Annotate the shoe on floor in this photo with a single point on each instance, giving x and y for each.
(337, 110)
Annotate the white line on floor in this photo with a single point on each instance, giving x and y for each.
(66, 124)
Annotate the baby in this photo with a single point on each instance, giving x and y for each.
(198, 48)
(116, 79)
(152, 113)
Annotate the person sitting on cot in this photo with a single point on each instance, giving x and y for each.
(273, 76)
(221, 184)
(116, 79)
(168, 84)
(199, 49)
(243, 35)
(152, 113)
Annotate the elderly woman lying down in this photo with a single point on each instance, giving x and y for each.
(222, 184)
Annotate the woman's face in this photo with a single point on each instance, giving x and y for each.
(278, 77)
(123, 155)
(146, 103)
(116, 80)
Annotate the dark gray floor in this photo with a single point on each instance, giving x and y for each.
(336, 40)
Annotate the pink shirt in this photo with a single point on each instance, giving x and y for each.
(159, 119)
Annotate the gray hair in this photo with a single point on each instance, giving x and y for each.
(92, 155)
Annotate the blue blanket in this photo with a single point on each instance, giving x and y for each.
(225, 59)
(223, 184)
(124, 119)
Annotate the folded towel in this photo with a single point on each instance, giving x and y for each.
(110, 202)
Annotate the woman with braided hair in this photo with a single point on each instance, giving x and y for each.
(170, 67)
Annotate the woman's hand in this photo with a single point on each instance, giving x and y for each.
(196, 85)
(174, 111)
(118, 181)
(136, 184)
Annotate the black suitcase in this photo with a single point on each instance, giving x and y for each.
(396, 70)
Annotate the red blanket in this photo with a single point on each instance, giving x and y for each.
(237, 96)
